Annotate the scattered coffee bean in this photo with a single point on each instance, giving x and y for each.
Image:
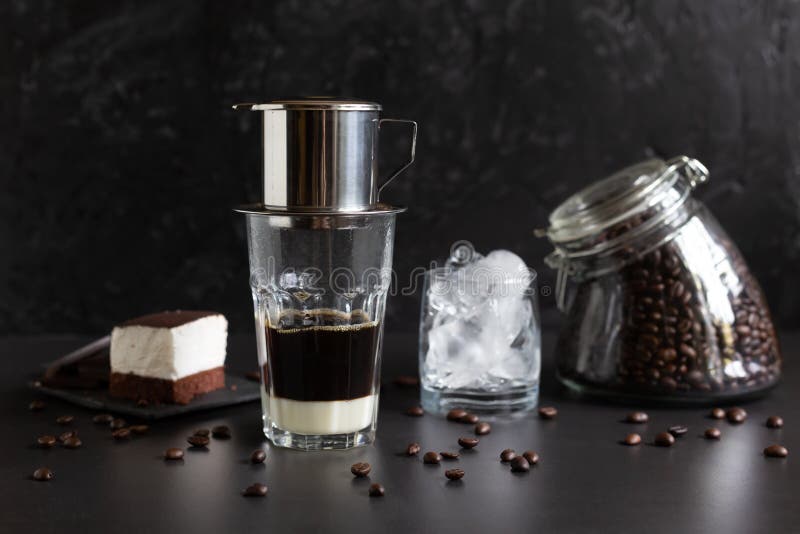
(116, 424)
(717, 413)
(774, 421)
(678, 430)
(221, 432)
(37, 406)
(142, 403)
(636, 418)
(507, 455)
(198, 441)
(233, 387)
(376, 490)
(64, 419)
(64, 436)
(415, 411)
(468, 443)
(258, 456)
(255, 376)
(454, 474)
(103, 419)
(412, 449)
(432, 457)
(483, 428)
(360, 469)
(712, 433)
(255, 490)
(470, 419)
(46, 442)
(449, 455)
(72, 442)
(632, 439)
(121, 434)
(736, 415)
(531, 456)
(456, 414)
(406, 381)
(665, 439)
(776, 451)
(43, 474)
(202, 432)
(139, 429)
(520, 465)
(173, 453)
(547, 412)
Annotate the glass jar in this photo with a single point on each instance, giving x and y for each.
(659, 302)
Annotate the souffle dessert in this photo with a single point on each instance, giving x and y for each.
(168, 357)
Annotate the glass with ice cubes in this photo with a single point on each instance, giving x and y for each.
(480, 340)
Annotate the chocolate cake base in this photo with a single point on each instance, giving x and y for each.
(158, 390)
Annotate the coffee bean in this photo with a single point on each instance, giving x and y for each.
(360, 469)
(46, 442)
(547, 412)
(254, 376)
(198, 441)
(412, 449)
(531, 456)
(717, 413)
(376, 490)
(776, 451)
(258, 456)
(469, 419)
(456, 414)
(415, 411)
(454, 474)
(64, 436)
(233, 387)
(636, 418)
(774, 421)
(221, 432)
(678, 430)
(173, 453)
(664, 439)
(712, 433)
(432, 457)
(116, 424)
(43, 474)
(202, 432)
(507, 455)
(37, 406)
(483, 428)
(121, 434)
(64, 419)
(406, 381)
(736, 415)
(103, 419)
(255, 490)
(632, 439)
(72, 442)
(520, 465)
(449, 455)
(142, 403)
(468, 443)
(139, 429)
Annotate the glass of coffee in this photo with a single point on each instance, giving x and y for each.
(319, 288)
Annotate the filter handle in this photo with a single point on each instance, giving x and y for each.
(408, 163)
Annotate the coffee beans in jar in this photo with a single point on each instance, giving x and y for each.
(659, 301)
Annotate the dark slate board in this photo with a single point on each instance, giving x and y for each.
(98, 399)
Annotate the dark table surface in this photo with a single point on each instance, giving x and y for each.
(585, 482)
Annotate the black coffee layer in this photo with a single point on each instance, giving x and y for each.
(325, 361)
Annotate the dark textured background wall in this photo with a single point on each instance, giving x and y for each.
(120, 157)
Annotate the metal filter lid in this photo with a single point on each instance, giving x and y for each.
(320, 154)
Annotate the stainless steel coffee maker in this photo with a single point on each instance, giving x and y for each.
(320, 245)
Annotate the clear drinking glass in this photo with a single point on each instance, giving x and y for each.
(319, 285)
(480, 343)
